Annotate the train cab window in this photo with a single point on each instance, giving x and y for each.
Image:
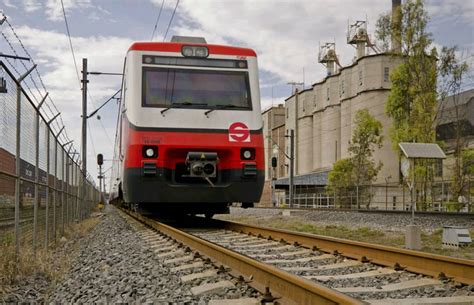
(190, 88)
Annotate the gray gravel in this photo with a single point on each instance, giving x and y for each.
(385, 222)
(116, 266)
(448, 289)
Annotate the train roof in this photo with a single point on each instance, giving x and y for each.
(176, 48)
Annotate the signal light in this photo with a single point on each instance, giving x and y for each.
(100, 159)
(274, 162)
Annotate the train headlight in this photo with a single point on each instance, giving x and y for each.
(247, 153)
(194, 51)
(150, 151)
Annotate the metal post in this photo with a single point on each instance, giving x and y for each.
(47, 187)
(63, 175)
(84, 130)
(36, 202)
(17, 159)
(17, 170)
(66, 180)
(413, 194)
(292, 162)
(55, 197)
(100, 183)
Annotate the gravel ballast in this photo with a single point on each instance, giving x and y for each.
(385, 222)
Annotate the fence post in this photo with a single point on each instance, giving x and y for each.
(47, 186)
(63, 175)
(55, 192)
(17, 169)
(357, 197)
(17, 160)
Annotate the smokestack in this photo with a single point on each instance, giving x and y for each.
(396, 26)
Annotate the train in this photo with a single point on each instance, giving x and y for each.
(189, 133)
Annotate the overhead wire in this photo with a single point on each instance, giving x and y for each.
(157, 20)
(70, 43)
(171, 20)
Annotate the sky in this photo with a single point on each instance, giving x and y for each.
(286, 35)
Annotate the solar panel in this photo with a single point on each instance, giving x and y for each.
(422, 151)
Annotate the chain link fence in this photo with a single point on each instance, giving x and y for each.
(41, 181)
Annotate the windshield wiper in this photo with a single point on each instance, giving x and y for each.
(223, 106)
(179, 105)
(188, 104)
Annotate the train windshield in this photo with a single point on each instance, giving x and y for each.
(205, 89)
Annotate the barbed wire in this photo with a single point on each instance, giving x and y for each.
(49, 108)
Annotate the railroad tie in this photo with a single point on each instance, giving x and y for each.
(211, 287)
(392, 287)
(179, 259)
(349, 263)
(200, 275)
(187, 266)
(243, 301)
(324, 278)
(460, 300)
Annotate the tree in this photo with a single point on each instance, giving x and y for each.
(451, 72)
(359, 169)
(412, 103)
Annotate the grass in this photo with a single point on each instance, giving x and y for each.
(50, 263)
(431, 241)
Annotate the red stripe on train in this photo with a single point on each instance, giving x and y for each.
(176, 47)
(174, 146)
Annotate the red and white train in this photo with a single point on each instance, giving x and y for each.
(189, 136)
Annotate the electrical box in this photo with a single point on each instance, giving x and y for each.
(456, 237)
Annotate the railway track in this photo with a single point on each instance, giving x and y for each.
(298, 268)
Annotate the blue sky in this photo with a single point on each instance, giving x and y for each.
(285, 35)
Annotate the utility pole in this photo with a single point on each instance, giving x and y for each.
(292, 165)
(84, 130)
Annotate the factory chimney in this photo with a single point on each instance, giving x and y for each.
(396, 26)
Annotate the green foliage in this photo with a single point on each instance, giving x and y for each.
(412, 101)
(360, 168)
(468, 162)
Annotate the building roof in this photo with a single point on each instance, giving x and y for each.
(319, 178)
(464, 102)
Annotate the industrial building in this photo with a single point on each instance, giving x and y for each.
(322, 116)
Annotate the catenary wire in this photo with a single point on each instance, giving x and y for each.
(171, 20)
(157, 20)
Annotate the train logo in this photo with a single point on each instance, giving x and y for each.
(239, 132)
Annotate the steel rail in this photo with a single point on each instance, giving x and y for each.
(291, 288)
(460, 270)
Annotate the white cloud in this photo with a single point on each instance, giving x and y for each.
(285, 34)
(53, 8)
(8, 3)
(31, 5)
(52, 49)
(451, 10)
